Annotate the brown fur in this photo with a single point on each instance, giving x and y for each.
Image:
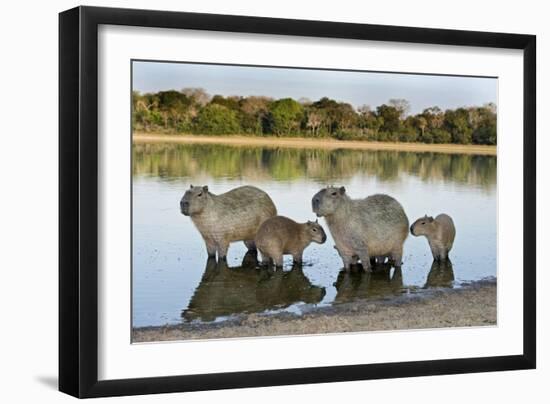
(440, 233)
(233, 216)
(280, 235)
(376, 226)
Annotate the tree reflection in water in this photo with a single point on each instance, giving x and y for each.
(172, 161)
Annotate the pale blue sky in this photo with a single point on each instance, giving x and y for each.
(356, 88)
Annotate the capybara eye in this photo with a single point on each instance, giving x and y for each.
(333, 194)
(423, 223)
(314, 229)
(200, 194)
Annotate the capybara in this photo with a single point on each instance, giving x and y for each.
(280, 235)
(233, 216)
(440, 233)
(376, 226)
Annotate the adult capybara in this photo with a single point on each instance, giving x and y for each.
(280, 235)
(233, 216)
(376, 226)
(440, 233)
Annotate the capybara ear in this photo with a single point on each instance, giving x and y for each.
(342, 190)
(205, 188)
(191, 187)
(316, 220)
(430, 219)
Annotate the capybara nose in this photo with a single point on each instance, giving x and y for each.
(324, 238)
(412, 232)
(184, 205)
(315, 203)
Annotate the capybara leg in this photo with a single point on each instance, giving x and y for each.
(278, 260)
(265, 260)
(397, 278)
(210, 248)
(435, 252)
(222, 251)
(354, 260)
(442, 254)
(366, 267)
(397, 257)
(250, 244)
(297, 257)
(347, 261)
(365, 261)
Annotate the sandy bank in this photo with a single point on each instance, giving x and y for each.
(475, 305)
(315, 143)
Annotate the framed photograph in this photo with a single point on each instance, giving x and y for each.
(251, 201)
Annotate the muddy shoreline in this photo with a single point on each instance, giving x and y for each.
(471, 305)
(237, 140)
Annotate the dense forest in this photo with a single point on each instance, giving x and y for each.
(194, 111)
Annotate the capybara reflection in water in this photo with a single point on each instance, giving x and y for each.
(232, 216)
(358, 285)
(225, 291)
(441, 275)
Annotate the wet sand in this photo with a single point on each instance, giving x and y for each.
(314, 143)
(473, 305)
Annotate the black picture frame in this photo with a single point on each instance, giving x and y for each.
(78, 201)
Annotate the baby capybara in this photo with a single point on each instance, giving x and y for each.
(280, 235)
(440, 233)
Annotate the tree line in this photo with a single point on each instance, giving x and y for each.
(192, 110)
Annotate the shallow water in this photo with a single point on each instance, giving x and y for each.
(173, 281)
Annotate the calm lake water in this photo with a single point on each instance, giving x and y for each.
(173, 281)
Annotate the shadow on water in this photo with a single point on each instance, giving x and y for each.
(248, 288)
(441, 275)
(359, 285)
